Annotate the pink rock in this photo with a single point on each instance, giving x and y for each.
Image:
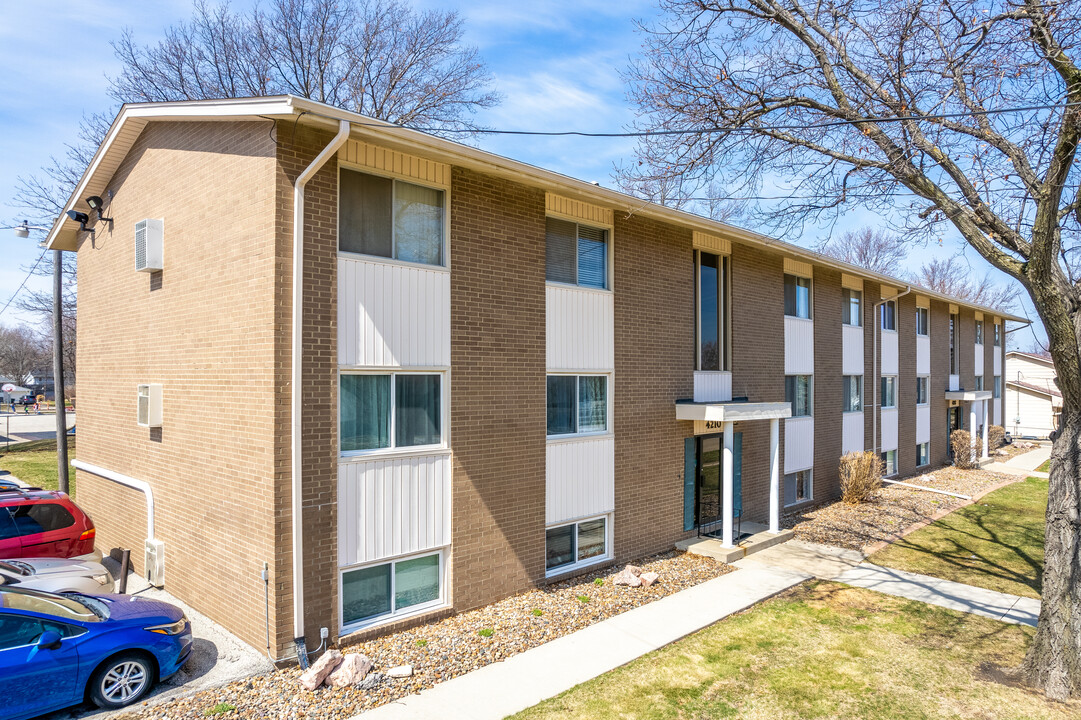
(648, 578)
(314, 676)
(352, 669)
(629, 576)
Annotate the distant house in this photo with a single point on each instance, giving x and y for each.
(40, 382)
(1033, 400)
(14, 394)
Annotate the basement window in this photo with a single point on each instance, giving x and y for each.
(575, 544)
(388, 590)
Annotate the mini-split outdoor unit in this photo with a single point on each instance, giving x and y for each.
(149, 413)
(149, 245)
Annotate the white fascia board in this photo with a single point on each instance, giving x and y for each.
(733, 412)
(968, 395)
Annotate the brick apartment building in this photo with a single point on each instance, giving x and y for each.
(505, 375)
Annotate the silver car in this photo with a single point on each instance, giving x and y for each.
(57, 575)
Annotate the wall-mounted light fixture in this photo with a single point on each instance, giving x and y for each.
(96, 204)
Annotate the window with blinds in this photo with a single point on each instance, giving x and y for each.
(576, 254)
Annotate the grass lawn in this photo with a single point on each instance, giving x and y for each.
(996, 543)
(1046, 467)
(35, 463)
(821, 650)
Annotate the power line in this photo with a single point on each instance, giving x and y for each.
(23, 283)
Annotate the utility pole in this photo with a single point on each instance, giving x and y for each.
(58, 372)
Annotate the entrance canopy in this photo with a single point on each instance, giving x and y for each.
(722, 412)
(968, 395)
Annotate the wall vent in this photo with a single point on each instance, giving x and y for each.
(149, 245)
(149, 412)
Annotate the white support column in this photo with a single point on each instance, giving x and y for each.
(727, 468)
(986, 423)
(972, 424)
(774, 475)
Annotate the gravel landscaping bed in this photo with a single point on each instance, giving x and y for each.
(448, 648)
(890, 510)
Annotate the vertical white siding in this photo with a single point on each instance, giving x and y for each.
(799, 346)
(923, 355)
(852, 432)
(923, 424)
(978, 359)
(392, 506)
(889, 429)
(392, 315)
(1035, 410)
(889, 352)
(579, 478)
(997, 361)
(998, 410)
(955, 383)
(712, 386)
(799, 443)
(580, 329)
(851, 350)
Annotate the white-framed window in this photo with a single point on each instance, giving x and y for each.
(576, 254)
(390, 589)
(979, 382)
(390, 218)
(889, 463)
(998, 334)
(888, 315)
(577, 404)
(954, 359)
(922, 383)
(889, 391)
(851, 307)
(382, 411)
(923, 321)
(575, 544)
(798, 487)
(996, 390)
(711, 323)
(923, 454)
(799, 391)
(852, 386)
(979, 332)
(797, 296)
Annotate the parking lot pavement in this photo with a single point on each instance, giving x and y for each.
(22, 428)
(218, 656)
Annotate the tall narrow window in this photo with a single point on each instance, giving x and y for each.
(979, 382)
(998, 334)
(997, 388)
(922, 321)
(798, 391)
(852, 386)
(576, 254)
(390, 218)
(851, 302)
(889, 392)
(889, 315)
(979, 332)
(954, 370)
(797, 297)
(712, 311)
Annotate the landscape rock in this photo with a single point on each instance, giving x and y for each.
(648, 578)
(629, 576)
(350, 671)
(1001, 453)
(402, 671)
(371, 682)
(314, 676)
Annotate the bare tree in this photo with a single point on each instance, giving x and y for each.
(955, 113)
(876, 249)
(21, 352)
(952, 277)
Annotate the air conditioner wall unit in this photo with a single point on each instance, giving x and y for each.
(149, 245)
(149, 405)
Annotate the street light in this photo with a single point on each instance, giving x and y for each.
(23, 231)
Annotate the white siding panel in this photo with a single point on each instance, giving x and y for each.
(998, 411)
(580, 329)
(889, 429)
(923, 424)
(851, 350)
(978, 360)
(799, 346)
(889, 352)
(997, 360)
(392, 506)
(955, 383)
(852, 432)
(1035, 411)
(712, 386)
(579, 478)
(923, 355)
(799, 443)
(392, 315)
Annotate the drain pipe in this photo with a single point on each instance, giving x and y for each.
(298, 293)
(141, 485)
(877, 328)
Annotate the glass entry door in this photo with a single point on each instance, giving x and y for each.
(709, 479)
(954, 421)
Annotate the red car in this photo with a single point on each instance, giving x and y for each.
(43, 523)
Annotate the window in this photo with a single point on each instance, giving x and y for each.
(953, 346)
(390, 218)
(853, 393)
(979, 382)
(921, 389)
(889, 315)
(998, 334)
(797, 297)
(797, 487)
(923, 322)
(16, 631)
(576, 254)
(575, 543)
(798, 391)
(889, 463)
(577, 404)
(923, 454)
(392, 588)
(979, 332)
(36, 518)
(712, 279)
(850, 307)
(889, 392)
(389, 411)
(997, 388)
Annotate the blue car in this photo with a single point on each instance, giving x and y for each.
(61, 650)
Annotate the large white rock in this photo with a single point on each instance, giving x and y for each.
(402, 671)
(314, 676)
(350, 671)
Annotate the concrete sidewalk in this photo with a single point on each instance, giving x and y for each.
(1023, 465)
(944, 593)
(504, 688)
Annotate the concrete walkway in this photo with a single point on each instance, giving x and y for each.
(504, 688)
(944, 593)
(1023, 465)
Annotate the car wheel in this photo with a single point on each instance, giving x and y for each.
(121, 680)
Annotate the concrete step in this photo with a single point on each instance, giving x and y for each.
(756, 542)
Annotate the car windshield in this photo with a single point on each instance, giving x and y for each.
(65, 607)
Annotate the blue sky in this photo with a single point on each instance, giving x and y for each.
(556, 63)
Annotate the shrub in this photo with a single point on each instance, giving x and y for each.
(996, 437)
(964, 455)
(861, 475)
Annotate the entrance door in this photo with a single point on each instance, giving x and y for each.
(703, 500)
(709, 479)
(955, 420)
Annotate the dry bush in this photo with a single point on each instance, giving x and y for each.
(996, 437)
(964, 455)
(861, 475)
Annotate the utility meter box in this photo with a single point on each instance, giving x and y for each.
(154, 562)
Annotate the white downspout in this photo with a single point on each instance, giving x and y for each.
(874, 364)
(141, 485)
(298, 294)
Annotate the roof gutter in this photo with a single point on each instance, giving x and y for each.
(298, 333)
(874, 365)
